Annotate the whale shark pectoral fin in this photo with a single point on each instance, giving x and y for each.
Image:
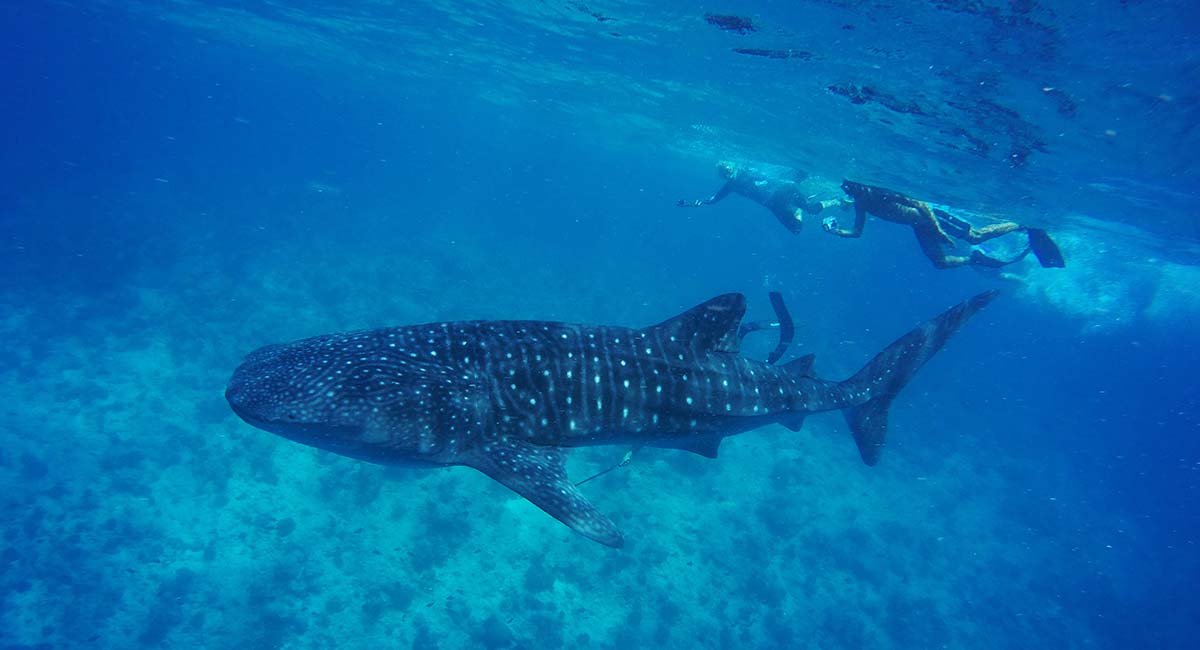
(540, 475)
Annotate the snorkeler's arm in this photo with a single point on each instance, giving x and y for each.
(721, 193)
(860, 220)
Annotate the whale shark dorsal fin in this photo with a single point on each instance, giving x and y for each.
(540, 475)
(709, 326)
(802, 366)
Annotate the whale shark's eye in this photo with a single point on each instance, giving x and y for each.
(291, 416)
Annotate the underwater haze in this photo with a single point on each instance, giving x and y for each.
(184, 181)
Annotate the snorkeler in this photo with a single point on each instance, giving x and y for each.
(934, 228)
(788, 193)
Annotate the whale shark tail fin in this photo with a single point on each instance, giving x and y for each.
(884, 376)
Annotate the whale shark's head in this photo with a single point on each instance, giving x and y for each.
(338, 394)
(296, 391)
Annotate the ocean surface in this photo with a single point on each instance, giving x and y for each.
(184, 181)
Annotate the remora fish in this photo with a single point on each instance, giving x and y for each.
(510, 398)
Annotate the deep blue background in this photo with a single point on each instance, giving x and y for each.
(139, 153)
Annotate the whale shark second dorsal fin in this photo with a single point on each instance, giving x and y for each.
(801, 366)
(709, 326)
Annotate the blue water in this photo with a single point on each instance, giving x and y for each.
(182, 182)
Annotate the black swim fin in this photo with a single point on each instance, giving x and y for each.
(787, 329)
(1047, 252)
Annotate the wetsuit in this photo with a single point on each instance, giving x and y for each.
(779, 189)
(933, 228)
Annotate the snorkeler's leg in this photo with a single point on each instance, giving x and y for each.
(991, 231)
(930, 241)
(927, 220)
(798, 218)
(952, 225)
(979, 258)
(792, 219)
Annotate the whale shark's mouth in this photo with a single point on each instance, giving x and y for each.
(236, 400)
(241, 411)
(342, 439)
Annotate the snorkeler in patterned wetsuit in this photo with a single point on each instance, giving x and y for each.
(934, 228)
(789, 194)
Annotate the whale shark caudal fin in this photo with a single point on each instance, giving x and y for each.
(540, 475)
(801, 366)
(890, 370)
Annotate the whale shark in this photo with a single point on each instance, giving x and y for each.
(510, 398)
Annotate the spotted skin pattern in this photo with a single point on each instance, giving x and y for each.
(509, 398)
